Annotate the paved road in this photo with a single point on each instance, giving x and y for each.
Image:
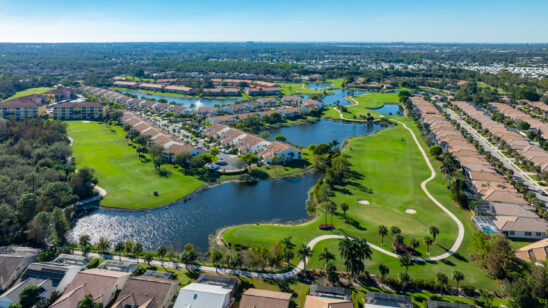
(494, 150)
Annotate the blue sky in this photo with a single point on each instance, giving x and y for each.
(275, 20)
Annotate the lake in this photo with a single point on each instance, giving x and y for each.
(193, 221)
(187, 101)
(322, 131)
(389, 109)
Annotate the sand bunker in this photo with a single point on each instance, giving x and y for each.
(364, 202)
(410, 211)
(86, 122)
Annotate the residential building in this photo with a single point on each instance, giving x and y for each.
(79, 110)
(119, 266)
(60, 94)
(101, 284)
(378, 300)
(13, 261)
(50, 277)
(441, 304)
(537, 251)
(179, 89)
(126, 84)
(21, 109)
(149, 292)
(328, 297)
(151, 86)
(207, 292)
(256, 298)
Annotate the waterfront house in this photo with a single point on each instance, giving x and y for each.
(379, 300)
(101, 284)
(147, 292)
(126, 84)
(49, 277)
(13, 261)
(151, 87)
(207, 292)
(256, 298)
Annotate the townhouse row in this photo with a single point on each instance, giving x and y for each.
(503, 209)
(158, 137)
(261, 104)
(305, 108)
(267, 150)
(540, 105)
(257, 88)
(530, 152)
(517, 116)
(118, 284)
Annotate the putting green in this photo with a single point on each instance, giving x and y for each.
(387, 217)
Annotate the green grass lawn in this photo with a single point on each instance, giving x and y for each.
(30, 92)
(299, 89)
(336, 83)
(389, 175)
(369, 101)
(129, 181)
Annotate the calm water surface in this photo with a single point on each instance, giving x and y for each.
(389, 109)
(192, 221)
(322, 131)
(187, 101)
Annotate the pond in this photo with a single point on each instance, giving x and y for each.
(193, 221)
(322, 131)
(187, 101)
(389, 109)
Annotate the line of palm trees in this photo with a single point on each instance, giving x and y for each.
(395, 231)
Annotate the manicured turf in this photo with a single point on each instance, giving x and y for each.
(297, 88)
(336, 83)
(30, 92)
(129, 181)
(368, 101)
(390, 172)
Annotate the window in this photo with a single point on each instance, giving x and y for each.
(527, 233)
(512, 232)
(539, 234)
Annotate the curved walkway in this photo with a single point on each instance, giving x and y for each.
(300, 267)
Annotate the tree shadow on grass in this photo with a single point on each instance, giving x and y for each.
(164, 172)
(360, 187)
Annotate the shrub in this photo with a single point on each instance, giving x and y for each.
(325, 226)
(94, 263)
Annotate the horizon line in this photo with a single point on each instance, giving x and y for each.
(279, 42)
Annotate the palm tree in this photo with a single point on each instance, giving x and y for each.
(404, 280)
(148, 257)
(384, 270)
(137, 250)
(119, 248)
(406, 261)
(189, 255)
(170, 253)
(434, 231)
(458, 277)
(216, 257)
(354, 251)
(303, 253)
(103, 245)
(344, 208)
(235, 260)
(395, 230)
(383, 231)
(414, 243)
(428, 241)
(326, 256)
(332, 275)
(128, 247)
(161, 253)
(442, 280)
(399, 239)
(84, 241)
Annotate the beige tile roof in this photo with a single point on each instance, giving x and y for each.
(255, 298)
(537, 251)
